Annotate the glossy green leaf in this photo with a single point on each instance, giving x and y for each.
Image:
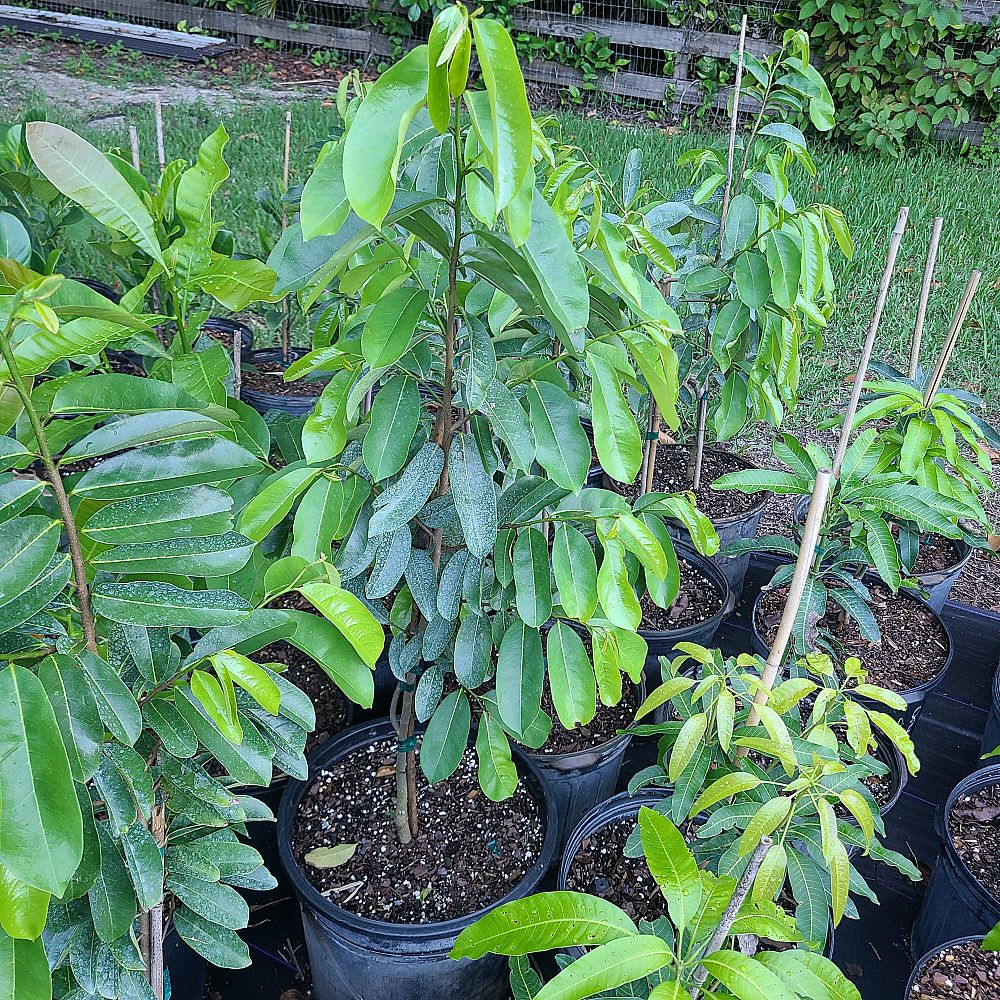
(616, 434)
(395, 414)
(473, 650)
(391, 324)
(520, 674)
(112, 900)
(497, 770)
(193, 511)
(15, 243)
(563, 449)
(76, 713)
(24, 970)
(115, 701)
(400, 502)
(745, 977)
(575, 568)
(324, 206)
(351, 616)
(154, 604)
(532, 584)
(474, 494)
(274, 501)
(326, 644)
(671, 864)
(753, 280)
(211, 556)
(571, 677)
(221, 946)
(28, 545)
(784, 260)
(609, 966)
(446, 737)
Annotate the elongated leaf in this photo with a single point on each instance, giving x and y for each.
(351, 616)
(390, 325)
(474, 494)
(509, 420)
(520, 673)
(621, 961)
(112, 899)
(531, 577)
(84, 174)
(155, 604)
(446, 737)
(324, 207)
(562, 446)
(784, 259)
(575, 568)
(473, 650)
(216, 555)
(221, 946)
(116, 394)
(115, 701)
(27, 547)
(76, 713)
(671, 864)
(497, 770)
(753, 279)
(394, 416)
(24, 970)
(571, 677)
(616, 434)
(745, 977)
(400, 502)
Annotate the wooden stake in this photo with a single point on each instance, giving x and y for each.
(803, 567)
(237, 364)
(866, 353)
(288, 145)
(733, 122)
(925, 291)
(286, 318)
(158, 115)
(952, 339)
(133, 138)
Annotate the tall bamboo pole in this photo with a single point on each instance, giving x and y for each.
(957, 322)
(925, 291)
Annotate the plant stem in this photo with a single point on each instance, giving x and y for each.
(696, 461)
(65, 511)
(737, 900)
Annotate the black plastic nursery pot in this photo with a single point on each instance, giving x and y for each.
(955, 903)
(918, 969)
(991, 734)
(186, 969)
(915, 696)
(582, 779)
(232, 328)
(356, 958)
(101, 287)
(261, 401)
(662, 643)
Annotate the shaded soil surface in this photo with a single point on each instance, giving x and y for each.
(974, 825)
(696, 602)
(267, 377)
(469, 852)
(935, 553)
(601, 868)
(601, 729)
(964, 972)
(914, 643)
(332, 707)
(671, 476)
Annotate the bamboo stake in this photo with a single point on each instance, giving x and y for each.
(133, 138)
(653, 445)
(925, 291)
(702, 420)
(647, 445)
(866, 353)
(958, 321)
(286, 319)
(237, 363)
(803, 566)
(158, 115)
(733, 122)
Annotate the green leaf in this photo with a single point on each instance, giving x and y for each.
(142, 429)
(784, 259)
(154, 604)
(671, 864)
(395, 414)
(274, 501)
(520, 673)
(724, 788)
(497, 771)
(510, 421)
(643, 543)
(325, 643)
(558, 271)
(24, 970)
(221, 946)
(112, 900)
(374, 143)
(76, 713)
(741, 227)
(120, 395)
(84, 174)
(23, 908)
(236, 284)
(745, 977)
(28, 545)
(753, 279)
(41, 833)
(881, 547)
(542, 922)
(916, 441)
(358, 625)
(178, 738)
(474, 494)
(446, 737)
(575, 568)
(115, 701)
(219, 704)
(391, 324)
(511, 145)
(144, 862)
(473, 650)
(616, 434)
(731, 323)
(563, 449)
(257, 682)
(446, 35)
(810, 974)
(571, 677)
(216, 902)
(324, 207)
(767, 819)
(532, 585)
(609, 966)
(212, 556)
(324, 433)
(480, 368)
(15, 243)
(614, 588)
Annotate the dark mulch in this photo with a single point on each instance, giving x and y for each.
(267, 377)
(974, 825)
(601, 729)
(329, 701)
(935, 553)
(600, 868)
(963, 972)
(469, 853)
(914, 644)
(696, 602)
(670, 475)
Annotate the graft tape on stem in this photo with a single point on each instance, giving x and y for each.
(406, 746)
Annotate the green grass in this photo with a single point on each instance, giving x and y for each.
(867, 188)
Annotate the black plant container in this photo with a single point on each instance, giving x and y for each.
(580, 780)
(956, 903)
(101, 287)
(621, 806)
(297, 406)
(355, 958)
(914, 697)
(663, 643)
(919, 967)
(991, 735)
(187, 970)
(220, 324)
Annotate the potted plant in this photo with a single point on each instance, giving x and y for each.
(165, 242)
(753, 286)
(957, 968)
(457, 498)
(131, 707)
(963, 896)
(714, 940)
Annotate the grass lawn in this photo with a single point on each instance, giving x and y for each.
(869, 190)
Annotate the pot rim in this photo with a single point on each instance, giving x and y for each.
(924, 959)
(357, 738)
(926, 686)
(708, 569)
(983, 778)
